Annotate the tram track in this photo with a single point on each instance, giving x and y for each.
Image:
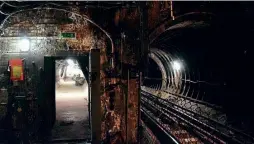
(186, 126)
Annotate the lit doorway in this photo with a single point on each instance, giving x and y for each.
(66, 97)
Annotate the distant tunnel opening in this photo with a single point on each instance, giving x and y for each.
(154, 75)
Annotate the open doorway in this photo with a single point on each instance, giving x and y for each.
(71, 99)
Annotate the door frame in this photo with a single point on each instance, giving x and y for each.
(48, 99)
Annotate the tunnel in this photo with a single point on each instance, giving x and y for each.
(192, 45)
(143, 72)
(202, 60)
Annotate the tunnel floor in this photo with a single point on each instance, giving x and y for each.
(71, 111)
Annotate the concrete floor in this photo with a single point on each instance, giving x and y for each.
(71, 111)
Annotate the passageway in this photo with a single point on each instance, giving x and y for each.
(71, 103)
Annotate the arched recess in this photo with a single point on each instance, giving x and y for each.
(33, 16)
(3, 24)
(42, 27)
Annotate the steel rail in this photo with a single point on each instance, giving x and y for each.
(164, 105)
(201, 116)
(161, 133)
(152, 109)
(195, 126)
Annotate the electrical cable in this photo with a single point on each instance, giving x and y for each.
(3, 13)
(8, 4)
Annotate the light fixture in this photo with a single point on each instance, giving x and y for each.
(24, 44)
(70, 62)
(176, 65)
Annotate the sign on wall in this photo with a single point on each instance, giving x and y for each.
(16, 69)
(71, 35)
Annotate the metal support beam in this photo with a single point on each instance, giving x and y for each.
(143, 53)
(144, 39)
(95, 95)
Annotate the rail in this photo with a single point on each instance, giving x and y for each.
(159, 130)
(206, 129)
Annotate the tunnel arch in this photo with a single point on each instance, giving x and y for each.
(179, 21)
(29, 15)
(2, 26)
(165, 41)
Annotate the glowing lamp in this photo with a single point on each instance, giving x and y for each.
(176, 65)
(24, 45)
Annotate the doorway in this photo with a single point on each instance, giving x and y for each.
(69, 97)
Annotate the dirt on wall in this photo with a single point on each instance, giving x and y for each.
(51, 25)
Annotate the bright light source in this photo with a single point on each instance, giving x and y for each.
(176, 65)
(70, 62)
(24, 44)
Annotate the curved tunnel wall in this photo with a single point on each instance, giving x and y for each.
(194, 45)
(216, 59)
